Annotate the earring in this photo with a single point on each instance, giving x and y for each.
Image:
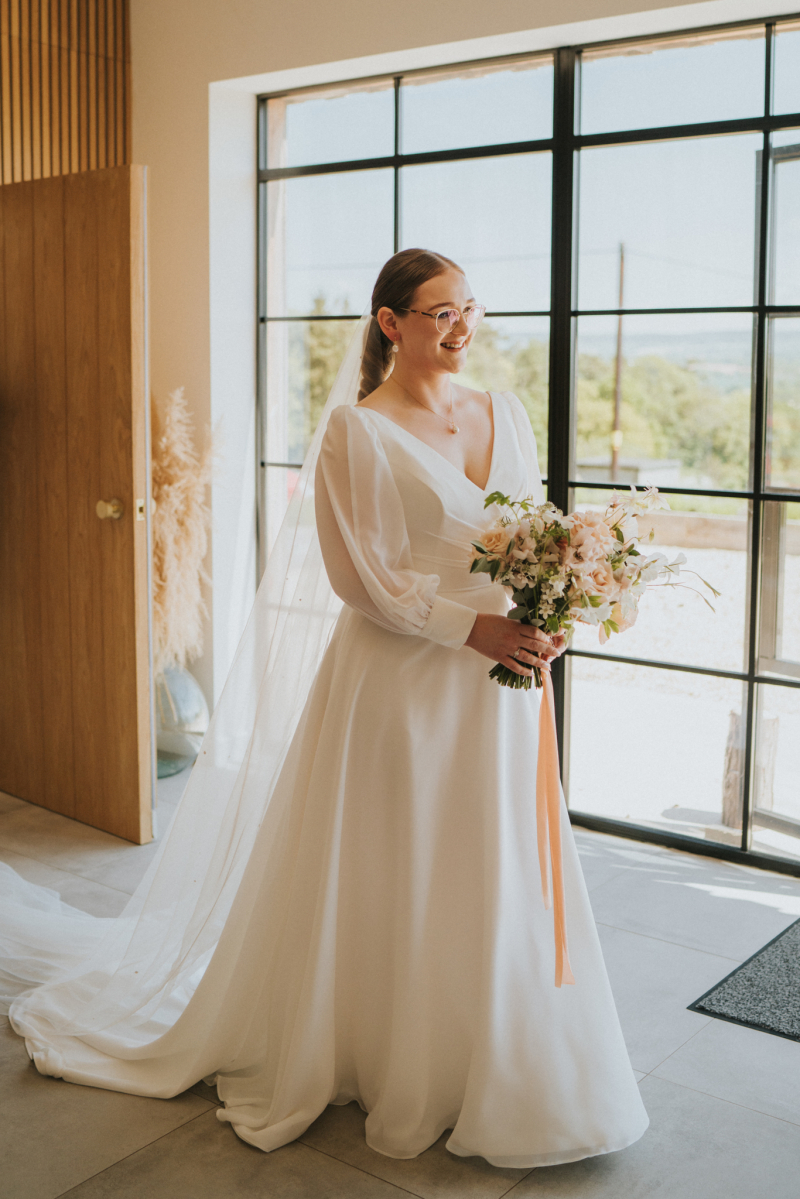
(395, 348)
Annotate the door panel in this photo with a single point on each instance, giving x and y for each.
(75, 720)
(20, 599)
(53, 509)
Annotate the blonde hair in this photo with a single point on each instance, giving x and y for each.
(395, 288)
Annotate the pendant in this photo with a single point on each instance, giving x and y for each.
(454, 429)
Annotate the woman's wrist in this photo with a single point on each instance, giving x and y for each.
(475, 631)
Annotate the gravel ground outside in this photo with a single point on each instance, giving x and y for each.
(648, 745)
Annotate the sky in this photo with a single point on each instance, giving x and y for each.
(686, 210)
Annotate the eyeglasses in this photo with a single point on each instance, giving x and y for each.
(448, 318)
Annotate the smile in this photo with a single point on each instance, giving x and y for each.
(453, 346)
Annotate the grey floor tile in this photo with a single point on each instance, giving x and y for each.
(57, 840)
(697, 1147)
(12, 1050)
(79, 892)
(41, 873)
(603, 858)
(171, 789)
(653, 981)
(93, 897)
(713, 906)
(163, 817)
(206, 1160)
(126, 870)
(754, 1069)
(206, 1092)
(624, 846)
(9, 804)
(435, 1174)
(55, 1134)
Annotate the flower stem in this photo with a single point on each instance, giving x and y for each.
(510, 678)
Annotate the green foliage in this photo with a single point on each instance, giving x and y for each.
(668, 411)
(784, 441)
(316, 350)
(497, 497)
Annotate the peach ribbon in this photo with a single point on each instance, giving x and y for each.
(548, 825)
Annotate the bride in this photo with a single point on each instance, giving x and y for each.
(348, 905)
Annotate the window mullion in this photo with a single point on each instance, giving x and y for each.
(759, 400)
(397, 84)
(560, 416)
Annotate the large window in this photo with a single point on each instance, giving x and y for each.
(628, 213)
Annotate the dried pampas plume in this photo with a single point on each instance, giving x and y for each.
(180, 533)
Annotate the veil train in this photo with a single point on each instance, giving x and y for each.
(119, 984)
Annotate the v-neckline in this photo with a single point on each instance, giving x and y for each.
(452, 466)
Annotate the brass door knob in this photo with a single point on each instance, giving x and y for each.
(109, 509)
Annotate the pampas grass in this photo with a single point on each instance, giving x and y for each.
(180, 533)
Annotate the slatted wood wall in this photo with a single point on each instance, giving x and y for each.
(64, 87)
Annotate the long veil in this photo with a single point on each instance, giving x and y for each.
(74, 975)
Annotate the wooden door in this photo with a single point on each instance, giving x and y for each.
(75, 699)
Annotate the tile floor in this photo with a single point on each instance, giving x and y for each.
(724, 1101)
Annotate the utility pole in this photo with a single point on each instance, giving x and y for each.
(616, 435)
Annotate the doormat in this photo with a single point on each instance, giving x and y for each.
(764, 992)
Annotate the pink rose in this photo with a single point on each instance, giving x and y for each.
(601, 579)
(496, 540)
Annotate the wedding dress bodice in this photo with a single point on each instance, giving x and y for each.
(396, 519)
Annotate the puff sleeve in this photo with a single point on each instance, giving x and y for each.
(364, 541)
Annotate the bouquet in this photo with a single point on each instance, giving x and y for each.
(586, 567)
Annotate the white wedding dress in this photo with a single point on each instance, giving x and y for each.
(384, 938)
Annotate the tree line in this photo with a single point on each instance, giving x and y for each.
(668, 410)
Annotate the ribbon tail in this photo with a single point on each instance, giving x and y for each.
(541, 814)
(548, 827)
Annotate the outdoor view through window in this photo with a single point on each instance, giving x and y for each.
(637, 205)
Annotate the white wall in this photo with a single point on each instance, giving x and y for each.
(197, 68)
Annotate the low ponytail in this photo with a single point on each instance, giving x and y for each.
(375, 361)
(395, 288)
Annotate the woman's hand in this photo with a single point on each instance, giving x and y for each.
(518, 646)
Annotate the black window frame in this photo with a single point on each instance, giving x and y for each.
(563, 314)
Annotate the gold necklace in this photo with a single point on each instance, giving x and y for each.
(454, 428)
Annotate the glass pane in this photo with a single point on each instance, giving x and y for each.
(674, 624)
(328, 236)
(786, 137)
(681, 776)
(776, 778)
(683, 386)
(685, 212)
(279, 485)
(786, 95)
(512, 354)
(673, 81)
(779, 640)
(484, 106)
(302, 360)
(783, 410)
(490, 215)
(786, 223)
(336, 125)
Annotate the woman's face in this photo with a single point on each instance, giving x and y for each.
(422, 346)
